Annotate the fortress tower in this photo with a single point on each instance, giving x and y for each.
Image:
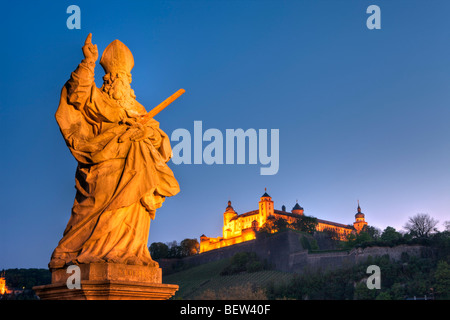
(228, 215)
(297, 209)
(360, 220)
(266, 209)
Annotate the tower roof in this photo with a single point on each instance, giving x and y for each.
(359, 214)
(297, 207)
(265, 194)
(229, 207)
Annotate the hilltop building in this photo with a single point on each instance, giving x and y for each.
(3, 288)
(238, 228)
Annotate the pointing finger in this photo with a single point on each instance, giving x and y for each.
(88, 39)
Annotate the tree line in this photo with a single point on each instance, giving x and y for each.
(174, 250)
(419, 229)
(304, 223)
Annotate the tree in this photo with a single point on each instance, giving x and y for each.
(332, 233)
(442, 277)
(159, 250)
(421, 225)
(305, 224)
(189, 247)
(174, 250)
(447, 225)
(268, 227)
(373, 232)
(383, 296)
(244, 262)
(357, 239)
(390, 235)
(441, 241)
(273, 225)
(280, 224)
(363, 293)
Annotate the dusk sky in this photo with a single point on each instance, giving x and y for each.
(362, 114)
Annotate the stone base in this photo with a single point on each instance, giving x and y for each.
(107, 290)
(108, 281)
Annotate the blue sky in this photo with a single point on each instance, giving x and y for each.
(362, 114)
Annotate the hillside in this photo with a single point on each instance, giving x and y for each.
(205, 281)
(407, 278)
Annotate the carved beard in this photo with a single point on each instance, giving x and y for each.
(118, 88)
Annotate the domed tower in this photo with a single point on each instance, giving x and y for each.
(228, 214)
(297, 209)
(265, 207)
(360, 220)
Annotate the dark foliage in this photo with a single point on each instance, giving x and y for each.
(244, 262)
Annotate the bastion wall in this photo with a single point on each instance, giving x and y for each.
(285, 252)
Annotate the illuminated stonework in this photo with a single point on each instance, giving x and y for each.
(238, 228)
(360, 221)
(3, 287)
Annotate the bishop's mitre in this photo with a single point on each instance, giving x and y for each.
(117, 58)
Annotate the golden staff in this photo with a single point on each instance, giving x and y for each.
(153, 113)
(161, 106)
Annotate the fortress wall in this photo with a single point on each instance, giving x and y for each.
(334, 260)
(395, 253)
(324, 261)
(284, 251)
(275, 249)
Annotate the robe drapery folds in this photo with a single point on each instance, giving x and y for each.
(119, 185)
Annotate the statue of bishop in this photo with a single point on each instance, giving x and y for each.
(121, 179)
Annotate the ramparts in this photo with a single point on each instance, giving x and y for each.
(285, 251)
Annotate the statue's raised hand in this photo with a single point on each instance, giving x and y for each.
(90, 50)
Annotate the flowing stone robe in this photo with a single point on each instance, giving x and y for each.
(119, 185)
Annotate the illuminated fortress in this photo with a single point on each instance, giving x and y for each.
(238, 228)
(3, 288)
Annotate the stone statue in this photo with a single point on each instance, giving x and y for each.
(122, 175)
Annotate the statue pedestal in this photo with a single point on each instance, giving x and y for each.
(108, 281)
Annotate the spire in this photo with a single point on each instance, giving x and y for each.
(359, 214)
(265, 193)
(360, 221)
(229, 208)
